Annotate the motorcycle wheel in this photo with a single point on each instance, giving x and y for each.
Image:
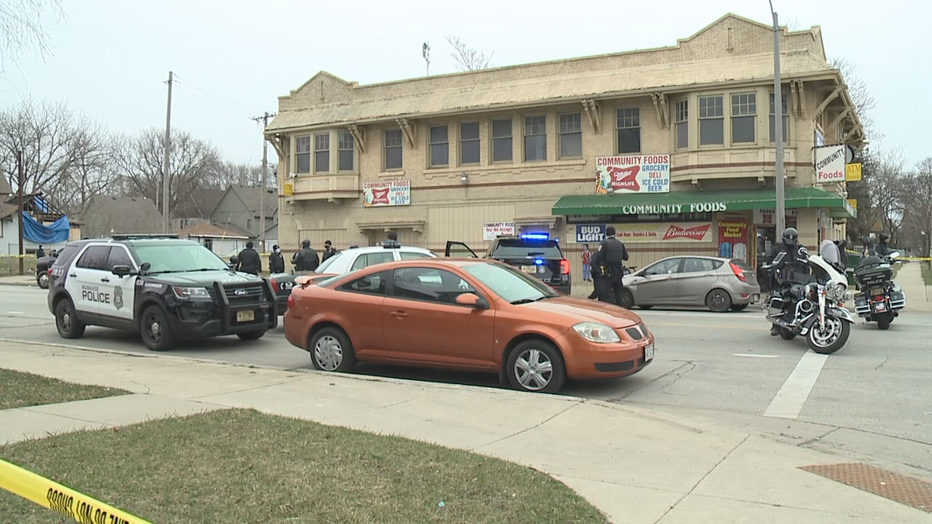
(883, 321)
(830, 338)
(787, 334)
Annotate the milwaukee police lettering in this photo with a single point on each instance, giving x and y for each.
(94, 294)
(657, 209)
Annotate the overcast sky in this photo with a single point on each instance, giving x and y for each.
(233, 58)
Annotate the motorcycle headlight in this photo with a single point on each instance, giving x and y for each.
(185, 293)
(836, 291)
(595, 332)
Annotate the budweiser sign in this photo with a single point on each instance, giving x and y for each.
(697, 233)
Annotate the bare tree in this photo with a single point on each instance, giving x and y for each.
(46, 134)
(22, 28)
(917, 208)
(861, 96)
(139, 162)
(240, 174)
(91, 172)
(467, 58)
(886, 188)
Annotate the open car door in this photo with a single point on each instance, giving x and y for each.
(458, 250)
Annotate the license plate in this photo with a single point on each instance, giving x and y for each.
(648, 352)
(245, 316)
(529, 269)
(880, 307)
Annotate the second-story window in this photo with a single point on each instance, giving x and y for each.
(682, 124)
(571, 135)
(322, 153)
(347, 148)
(302, 149)
(773, 118)
(629, 130)
(535, 138)
(469, 143)
(393, 149)
(502, 141)
(439, 146)
(711, 120)
(743, 118)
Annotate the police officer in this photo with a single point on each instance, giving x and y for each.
(305, 260)
(602, 288)
(249, 260)
(276, 261)
(612, 255)
(794, 269)
(882, 249)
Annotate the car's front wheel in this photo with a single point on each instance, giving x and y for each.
(536, 366)
(156, 332)
(332, 350)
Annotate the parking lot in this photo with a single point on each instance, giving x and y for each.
(869, 400)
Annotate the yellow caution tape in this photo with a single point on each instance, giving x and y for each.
(60, 499)
(923, 259)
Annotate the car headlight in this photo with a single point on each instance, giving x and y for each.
(595, 332)
(185, 293)
(837, 291)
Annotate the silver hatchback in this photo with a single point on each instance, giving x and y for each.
(717, 283)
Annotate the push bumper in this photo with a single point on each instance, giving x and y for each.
(223, 316)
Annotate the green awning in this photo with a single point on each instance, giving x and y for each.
(700, 202)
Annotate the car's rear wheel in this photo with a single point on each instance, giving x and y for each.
(332, 350)
(66, 320)
(536, 366)
(718, 301)
(42, 278)
(252, 335)
(156, 332)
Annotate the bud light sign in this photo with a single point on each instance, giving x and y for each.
(590, 233)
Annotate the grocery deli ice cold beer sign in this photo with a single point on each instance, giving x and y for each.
(665, 232)
(393, 193)
(633, 174)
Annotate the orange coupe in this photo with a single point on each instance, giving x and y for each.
(476, 315)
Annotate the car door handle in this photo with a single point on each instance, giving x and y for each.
(399, 314)
(105, 279)
(72, 275)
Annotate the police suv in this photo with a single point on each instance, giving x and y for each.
(162, 287)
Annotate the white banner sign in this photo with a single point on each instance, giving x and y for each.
(394, 193)
(830, 164)
(633, 174)
(491, 230)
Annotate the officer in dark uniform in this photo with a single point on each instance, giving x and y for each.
(249, 260)
(613, 254)
(601, 286)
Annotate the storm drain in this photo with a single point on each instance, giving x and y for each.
(905, 490)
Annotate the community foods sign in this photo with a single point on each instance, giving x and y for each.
(673, 209)
(633, 174)
(393, 193)
(492, 230)
(665, 232)
(830, 164)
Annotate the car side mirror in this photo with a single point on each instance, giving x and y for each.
(471, 300)
(144, 268)
(122, 271)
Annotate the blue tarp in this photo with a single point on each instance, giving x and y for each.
(55, 233)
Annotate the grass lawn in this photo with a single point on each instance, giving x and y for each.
(241, 466)
(19, 390)
(926, 272)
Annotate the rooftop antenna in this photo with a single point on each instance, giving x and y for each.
(425, 52)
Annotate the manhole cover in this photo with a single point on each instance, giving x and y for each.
(887, 484)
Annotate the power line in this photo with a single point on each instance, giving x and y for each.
(232, 104)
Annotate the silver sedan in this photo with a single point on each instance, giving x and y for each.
(717, 283)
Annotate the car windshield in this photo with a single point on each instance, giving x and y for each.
(178, 258)
(519, 248)
(510, 284)
(327, 263)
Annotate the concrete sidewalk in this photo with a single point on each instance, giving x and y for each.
(637, 466)
(19, 280)
(918, 294)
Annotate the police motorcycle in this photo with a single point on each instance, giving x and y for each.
(880, 299)
(809, 302)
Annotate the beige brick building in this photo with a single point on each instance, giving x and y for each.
(443, 157)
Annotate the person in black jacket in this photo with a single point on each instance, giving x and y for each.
(249, 260)
(612, 255)
(328, 251)
(276, 261)
(305, 260)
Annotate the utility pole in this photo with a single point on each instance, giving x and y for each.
(166, 152)
(265, 178)
(780, 210)
(22, 213)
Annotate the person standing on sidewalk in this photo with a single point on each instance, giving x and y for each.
(613, 254)
(276, 261)
(586, 268)
(249, 260)
(328, 251)
(306, 260)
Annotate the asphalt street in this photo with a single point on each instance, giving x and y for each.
(871, 400)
